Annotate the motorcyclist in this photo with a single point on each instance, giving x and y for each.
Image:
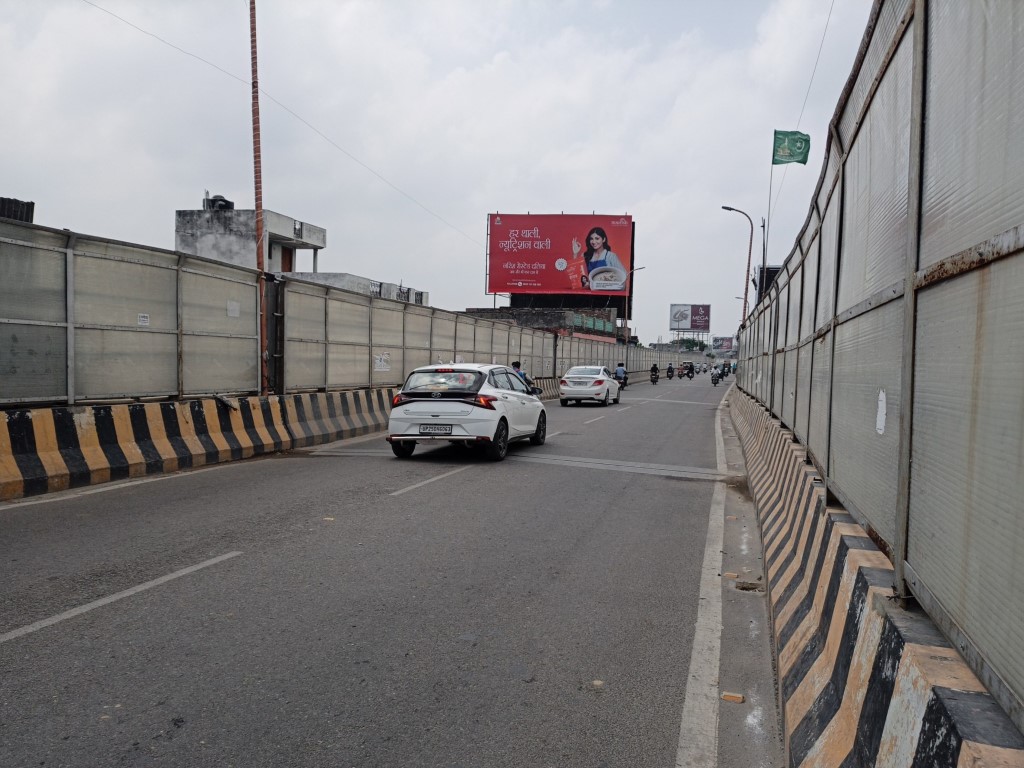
(621, 376)
(654, 370)
(670, 371)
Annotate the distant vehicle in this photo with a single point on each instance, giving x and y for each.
(583, 383)
(480, 405)
(686, 369)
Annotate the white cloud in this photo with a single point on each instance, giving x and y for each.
(664, 110)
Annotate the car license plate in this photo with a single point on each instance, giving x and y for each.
(579, 382)
(435, 429)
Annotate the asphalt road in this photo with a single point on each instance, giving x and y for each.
(339, 607)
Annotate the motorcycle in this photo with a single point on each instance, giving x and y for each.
(714, 378)
(670, 373)
(623, 381)
(654, 377)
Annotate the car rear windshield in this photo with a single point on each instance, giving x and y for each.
(584, 371)
(444, 381)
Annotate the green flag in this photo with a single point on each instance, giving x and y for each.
(791, 147)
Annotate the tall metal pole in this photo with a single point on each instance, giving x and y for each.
(258, 180)
(750, 249)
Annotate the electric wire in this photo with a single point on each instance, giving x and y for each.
(295, 115)
(806, 95)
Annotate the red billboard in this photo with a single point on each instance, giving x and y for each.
(559, 253)
(689, 317)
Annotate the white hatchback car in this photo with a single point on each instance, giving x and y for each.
(588, 382)
(470, 403)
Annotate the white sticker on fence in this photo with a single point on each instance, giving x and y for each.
(880, 415)
(234, 309)
(143, 319)
(382, 362)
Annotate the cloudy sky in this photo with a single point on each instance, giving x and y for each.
(398, 125)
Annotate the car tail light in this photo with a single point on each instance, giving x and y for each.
(563, 383)
(483, 401)
(598, 382)
(399, 399)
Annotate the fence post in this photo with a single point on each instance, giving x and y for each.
(917, 109)
(69, 315)
(180, 302)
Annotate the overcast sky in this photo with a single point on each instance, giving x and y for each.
(435, 113)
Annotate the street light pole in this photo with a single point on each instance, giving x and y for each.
(750, 248)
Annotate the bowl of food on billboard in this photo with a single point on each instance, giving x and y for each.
(607, 279)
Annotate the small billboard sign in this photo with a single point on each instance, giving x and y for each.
(722, 343)
(689, 317)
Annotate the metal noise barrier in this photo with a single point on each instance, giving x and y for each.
(861, 681)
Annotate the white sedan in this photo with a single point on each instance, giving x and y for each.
(588, 383)
(469, 403)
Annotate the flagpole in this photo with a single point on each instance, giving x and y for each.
(768, 225)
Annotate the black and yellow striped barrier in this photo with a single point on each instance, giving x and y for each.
(861, 681)
(51, 449)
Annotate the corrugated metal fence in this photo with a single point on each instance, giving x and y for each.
(88, 319)
(892, 342)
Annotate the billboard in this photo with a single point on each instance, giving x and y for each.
(559, 253)
(722, 343)
(689, 317)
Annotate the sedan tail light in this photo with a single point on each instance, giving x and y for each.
(598, 382)
(563, 383)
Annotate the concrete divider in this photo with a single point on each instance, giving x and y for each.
(52, 449)
(862, 682)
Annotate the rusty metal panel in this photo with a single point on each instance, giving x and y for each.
(387, 323)
(967, 471)
(887, 29)
(125, 294)
(388, 366)
(877, 172)
(417, 329)
(125, 363)
(499, 343)
(33, 363)
(220, 306)
(827, 264)
(348, 365)
(442, 334)
(865, 415)
(465, 332)
(801, 421)
(483, 340)
(515, 338)
(973, 185)
(214, 364)
(778, 376)
(810, 269)
(789, 383)
(305, 315)
(821, 375)
(305, 365)
(32, 284)
(796, 288)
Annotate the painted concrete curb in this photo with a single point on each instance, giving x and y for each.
(52, 449)
(861, 681)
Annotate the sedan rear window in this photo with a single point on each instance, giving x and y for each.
(584, 371)
(443, 381)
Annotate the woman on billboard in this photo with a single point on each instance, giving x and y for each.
(604, 270)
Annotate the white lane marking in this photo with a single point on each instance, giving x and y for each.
(114, 485)
(593, 420)
(698, 727)
(43, 623)
(431, 480)
(625, 408)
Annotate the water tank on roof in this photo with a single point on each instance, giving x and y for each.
(218, 203)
